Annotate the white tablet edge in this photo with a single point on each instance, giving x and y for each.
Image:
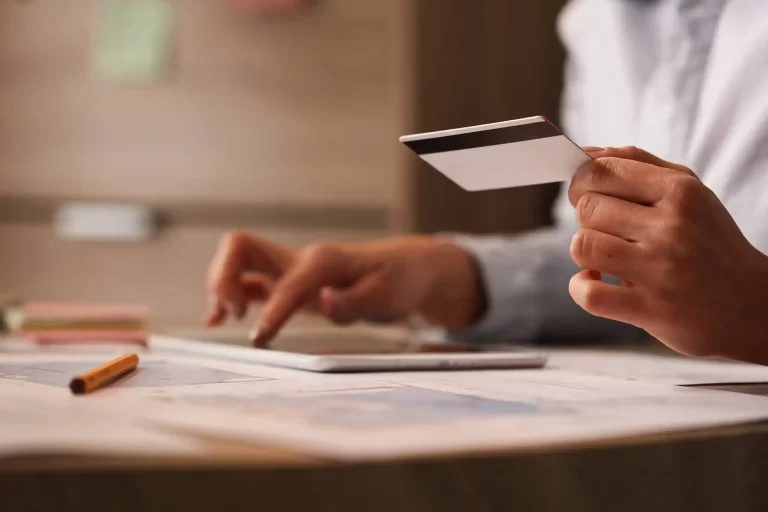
(350, 363)
(431, 361)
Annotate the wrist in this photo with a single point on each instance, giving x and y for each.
(456, 296)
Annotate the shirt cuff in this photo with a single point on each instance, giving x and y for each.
(509, 282)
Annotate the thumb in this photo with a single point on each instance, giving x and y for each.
(638, 155)
(369, 299)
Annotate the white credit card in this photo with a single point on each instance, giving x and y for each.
(508, 154)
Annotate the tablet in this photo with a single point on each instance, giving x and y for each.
(367, 354)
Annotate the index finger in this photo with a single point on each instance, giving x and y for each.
(637, 182)
(298, 285)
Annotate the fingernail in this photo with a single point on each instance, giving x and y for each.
(593, 149)
(258, 336)
(212, 318)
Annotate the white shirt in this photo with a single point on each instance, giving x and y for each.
(686, 80)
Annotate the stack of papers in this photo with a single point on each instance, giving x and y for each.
(80, 323)
(372, 415)
(34, 424)
(667, 368)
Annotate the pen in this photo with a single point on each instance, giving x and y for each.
(104, 375)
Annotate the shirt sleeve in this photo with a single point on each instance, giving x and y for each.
(525, 279)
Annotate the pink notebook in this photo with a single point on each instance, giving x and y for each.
(79, 315)
(90, 311)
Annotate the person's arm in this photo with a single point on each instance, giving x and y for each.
(525, 277)
(525, 283)
(381, 281)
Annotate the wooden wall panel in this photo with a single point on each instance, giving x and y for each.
(300, 109)
(481, 62)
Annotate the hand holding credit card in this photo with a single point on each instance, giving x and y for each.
(507, 154)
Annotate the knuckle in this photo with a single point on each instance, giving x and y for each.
(580, 181)
(673, 232)
(235, 238)
(318, 253)
(592, 299)
(674, 242)
(684, 192)
(607, 168)
(590, 177)
(582, 246)
(634, 153)
(586, 208)
(597, 174)
(668, 271)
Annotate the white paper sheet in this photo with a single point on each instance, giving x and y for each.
(660, 369)
(32, 423)
(415, 414)
(40, 416)
(383, 415)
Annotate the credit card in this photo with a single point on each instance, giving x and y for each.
(493, 156)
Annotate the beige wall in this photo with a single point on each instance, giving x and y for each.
(298, 111)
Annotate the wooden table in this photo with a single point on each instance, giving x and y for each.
(717, 470)
(709, 470)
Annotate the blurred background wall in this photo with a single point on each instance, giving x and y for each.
(286, 126)
(481, 62)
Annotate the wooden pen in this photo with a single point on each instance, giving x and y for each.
(104, 375)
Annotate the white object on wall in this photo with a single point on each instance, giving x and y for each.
(105, 222)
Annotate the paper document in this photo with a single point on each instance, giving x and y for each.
(55, 371)
(361, 418)
(661, 369)
(34, 424)
(364, 416)
(40, 416)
